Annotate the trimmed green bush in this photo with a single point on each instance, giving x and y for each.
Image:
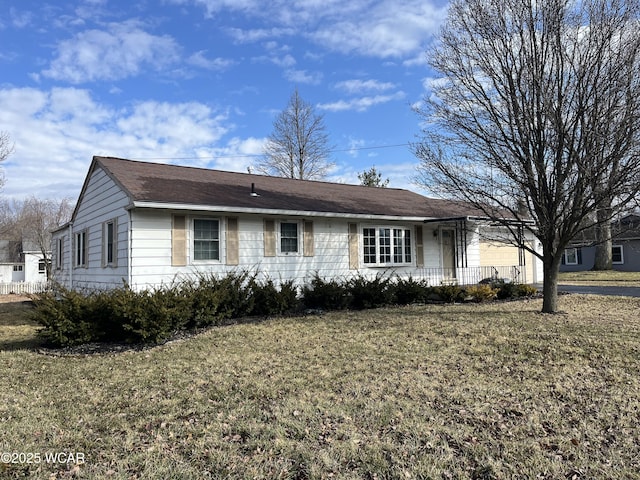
(124, 315)
(216, 299)
(150, 316)
(408, 291)
(325, 294)
(370, 293)
(268, 299)
(65, 316)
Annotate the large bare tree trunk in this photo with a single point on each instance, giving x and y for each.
(551, 267)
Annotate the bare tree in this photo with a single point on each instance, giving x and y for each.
(299, 145)
(536, 116)
(372, 178)
(32, 220)
(6, 149)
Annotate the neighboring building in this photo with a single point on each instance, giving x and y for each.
(21, 261)
(625, 251)
(150, 224)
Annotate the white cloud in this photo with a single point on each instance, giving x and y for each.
(285, 61)
(199, 59)
(57, 132)
(382, 29)
(258, 34)
(238, 155)
(303, 77)
(214, 6)
(121, 51)
(355, 145)
(358, 86)
(360, 104)
(389, 29)
(20, 19)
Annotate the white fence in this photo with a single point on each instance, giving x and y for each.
(22, 288)
(472, 275)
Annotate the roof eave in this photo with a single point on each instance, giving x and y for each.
(272, 211)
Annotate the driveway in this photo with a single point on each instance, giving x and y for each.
(601, 290)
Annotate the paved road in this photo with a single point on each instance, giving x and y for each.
(601, 290)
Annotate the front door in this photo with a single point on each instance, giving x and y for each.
(448, 244)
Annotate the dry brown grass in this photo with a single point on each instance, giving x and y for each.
(466, 391)
(608, 277)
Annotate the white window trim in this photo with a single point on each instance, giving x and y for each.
(59, 253)
(84, 250)
(299, 241)
(192, 242)
(566, 256)
(379, 264)
(621, 262)
(105, 244)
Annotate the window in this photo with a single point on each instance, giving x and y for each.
(42, 266)
(206, 239)
(59, 252)
(571, 256)
(109, 243)
(288, 237)
(616, 254)
(81, 249)
(17, 268)
(369, 241)
(386, 246)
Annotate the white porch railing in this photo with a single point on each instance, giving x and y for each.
(473, 275)
(22, 288)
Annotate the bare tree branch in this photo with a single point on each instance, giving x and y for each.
(32, 220)
(537, 114)
(6, 149)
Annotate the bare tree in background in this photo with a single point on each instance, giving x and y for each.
(6, 149)
(536, 116)
(298, 147)
(32, 220)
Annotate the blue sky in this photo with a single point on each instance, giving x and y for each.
(199, 82)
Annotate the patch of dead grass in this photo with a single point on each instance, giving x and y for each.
(608, 277)
(465, 391)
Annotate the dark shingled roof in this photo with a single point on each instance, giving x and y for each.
(171, 184)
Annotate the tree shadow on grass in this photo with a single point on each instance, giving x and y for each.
(17, 330)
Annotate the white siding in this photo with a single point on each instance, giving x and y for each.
(151, 251)
(432, 255)
(32, 271)
(102, 201)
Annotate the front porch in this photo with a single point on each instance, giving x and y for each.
(473, 275)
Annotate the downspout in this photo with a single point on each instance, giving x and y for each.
(130, 249)
(464, 233)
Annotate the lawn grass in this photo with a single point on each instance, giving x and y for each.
(446, 392)
(605, 277)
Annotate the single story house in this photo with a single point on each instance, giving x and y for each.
(21, 261)
(625, 251)
(150, 224)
